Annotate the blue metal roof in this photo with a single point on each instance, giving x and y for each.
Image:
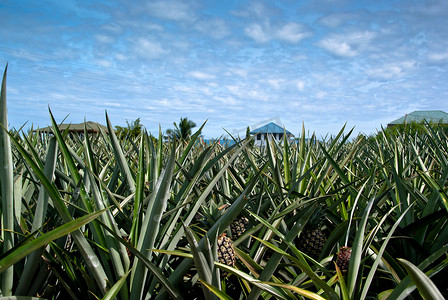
(270, 128)
(435, 116)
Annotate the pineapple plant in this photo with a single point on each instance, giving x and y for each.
(210, 215)
(343, 259)
(312, 239)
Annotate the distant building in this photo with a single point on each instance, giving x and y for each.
(271, 129)
(92, 128)
(430, 116)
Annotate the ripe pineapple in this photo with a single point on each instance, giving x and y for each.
(226, 253)
(343, 259)
(238, 227)
(312, 239)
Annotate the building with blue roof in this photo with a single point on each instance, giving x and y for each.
(271, 129)
(430, 116)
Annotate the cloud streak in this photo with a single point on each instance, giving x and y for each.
(291, 32)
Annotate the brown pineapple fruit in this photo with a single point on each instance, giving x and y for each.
(343, 259)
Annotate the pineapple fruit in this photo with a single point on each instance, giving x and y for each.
(312, 239)
(343, 259)
(226, 252)
(238, 227)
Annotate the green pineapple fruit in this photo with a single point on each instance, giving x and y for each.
(313, 239)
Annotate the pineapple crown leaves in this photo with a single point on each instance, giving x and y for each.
(319, 214)
(317, 219)
(211, 213)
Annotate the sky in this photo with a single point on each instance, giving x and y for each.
(319, 64)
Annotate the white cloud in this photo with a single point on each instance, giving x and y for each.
(234, 89)
(256, 32)
(201, 75)
(140, 24)
(321, 95)
(121, 56)
(391, 71)
(163, 102)
(291, 32)
(338, 48)
(275, 83)
(255, 9)
(194, 90)
(171, 10)
(113, 104)
(148, 49)
(249, 94)
(347, 45)
(300, 85)
(113, 28)
(216, 28)
(103, 63)
(227, 100)
(337, 19)
(370, 86)
(438, 57)
(239, 72)
(432, 8)
(170, 105)
(105, 39)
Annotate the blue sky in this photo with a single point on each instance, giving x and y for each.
(323, 63)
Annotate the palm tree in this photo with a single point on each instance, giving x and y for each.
(181, 131)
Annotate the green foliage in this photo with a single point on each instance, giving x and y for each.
(132, 131)
(410, 129)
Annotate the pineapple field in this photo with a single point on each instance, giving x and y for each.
(119, 217)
